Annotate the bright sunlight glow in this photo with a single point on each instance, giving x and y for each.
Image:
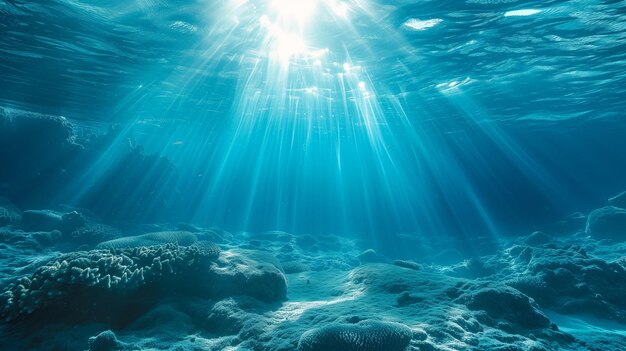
(340, 9)
(521, 13)
(283, 45)
(295, 10)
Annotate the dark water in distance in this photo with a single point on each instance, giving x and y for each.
(436, 117)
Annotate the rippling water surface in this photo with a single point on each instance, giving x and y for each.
(520, 60)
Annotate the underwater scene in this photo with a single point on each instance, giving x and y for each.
(313, 175)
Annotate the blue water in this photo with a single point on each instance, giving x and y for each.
(374, 118)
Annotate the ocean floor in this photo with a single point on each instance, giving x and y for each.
(70, 282)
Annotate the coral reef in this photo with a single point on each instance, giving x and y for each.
(563, 278)
(230, 315)
(76, 227)
(569, 280)
(362, 336)
(182, 238)
(92, 233)
(246, 272)
(105, 341)
(507, 304)
(174, 290)
(92, 273)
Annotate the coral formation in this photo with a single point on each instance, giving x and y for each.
(362, 336)
(112, 271)
(564, 278)
(246, 272)
(156, 238)
(230, 315)
(92, 233)
(105, 341)
(507, 304)
(569, 280)
(230, 300)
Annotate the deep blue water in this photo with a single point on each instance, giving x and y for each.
(375, 118)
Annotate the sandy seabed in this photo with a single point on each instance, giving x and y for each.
(69, 282)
